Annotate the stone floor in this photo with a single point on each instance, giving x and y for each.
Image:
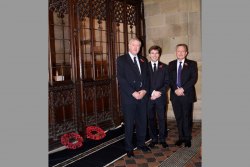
(171, 156)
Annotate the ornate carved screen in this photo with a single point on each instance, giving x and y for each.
(95, 61)
(104, 28)
(60, 41)
(85, 39)
(123, 25)
(62, 92)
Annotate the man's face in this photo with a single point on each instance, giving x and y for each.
(154, 55)
(181, 52)
(134, 47)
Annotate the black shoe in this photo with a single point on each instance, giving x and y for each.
(144, 148)
(164, 144)
(178, 142)
(152, 144)
(130, 154)
(188, 143)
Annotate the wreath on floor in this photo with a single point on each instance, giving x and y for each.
(95, 133)
(72, 140)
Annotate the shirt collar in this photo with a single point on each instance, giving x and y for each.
(132, 56)
(152, 63)
(178, 62)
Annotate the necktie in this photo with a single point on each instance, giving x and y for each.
(135, 62)
(154, 67)
(178, 83)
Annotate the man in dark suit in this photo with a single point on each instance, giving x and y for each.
(159, 82)
(133, 79)
(183, 77)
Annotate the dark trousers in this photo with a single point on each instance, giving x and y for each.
(135, 114)
(183, 111)
(159, 110)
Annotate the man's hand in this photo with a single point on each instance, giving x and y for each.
(155, 94)
(142, 93)
(179, 92)
(136, 95)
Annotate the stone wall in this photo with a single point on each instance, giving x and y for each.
(169, 22)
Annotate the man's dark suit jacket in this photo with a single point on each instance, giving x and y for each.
(129, 78)
(189, 76)
(134, 111)
(159, 81)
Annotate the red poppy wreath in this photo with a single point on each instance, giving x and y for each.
(95, 133)
(69, 139)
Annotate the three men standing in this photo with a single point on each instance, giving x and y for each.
(143, 87)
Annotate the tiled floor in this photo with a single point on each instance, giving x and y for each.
(158, 155)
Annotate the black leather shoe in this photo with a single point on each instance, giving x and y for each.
(152, 144)
(164, 144)
(144, 148)
(178, 142)
(188, 143)
(130, 154)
